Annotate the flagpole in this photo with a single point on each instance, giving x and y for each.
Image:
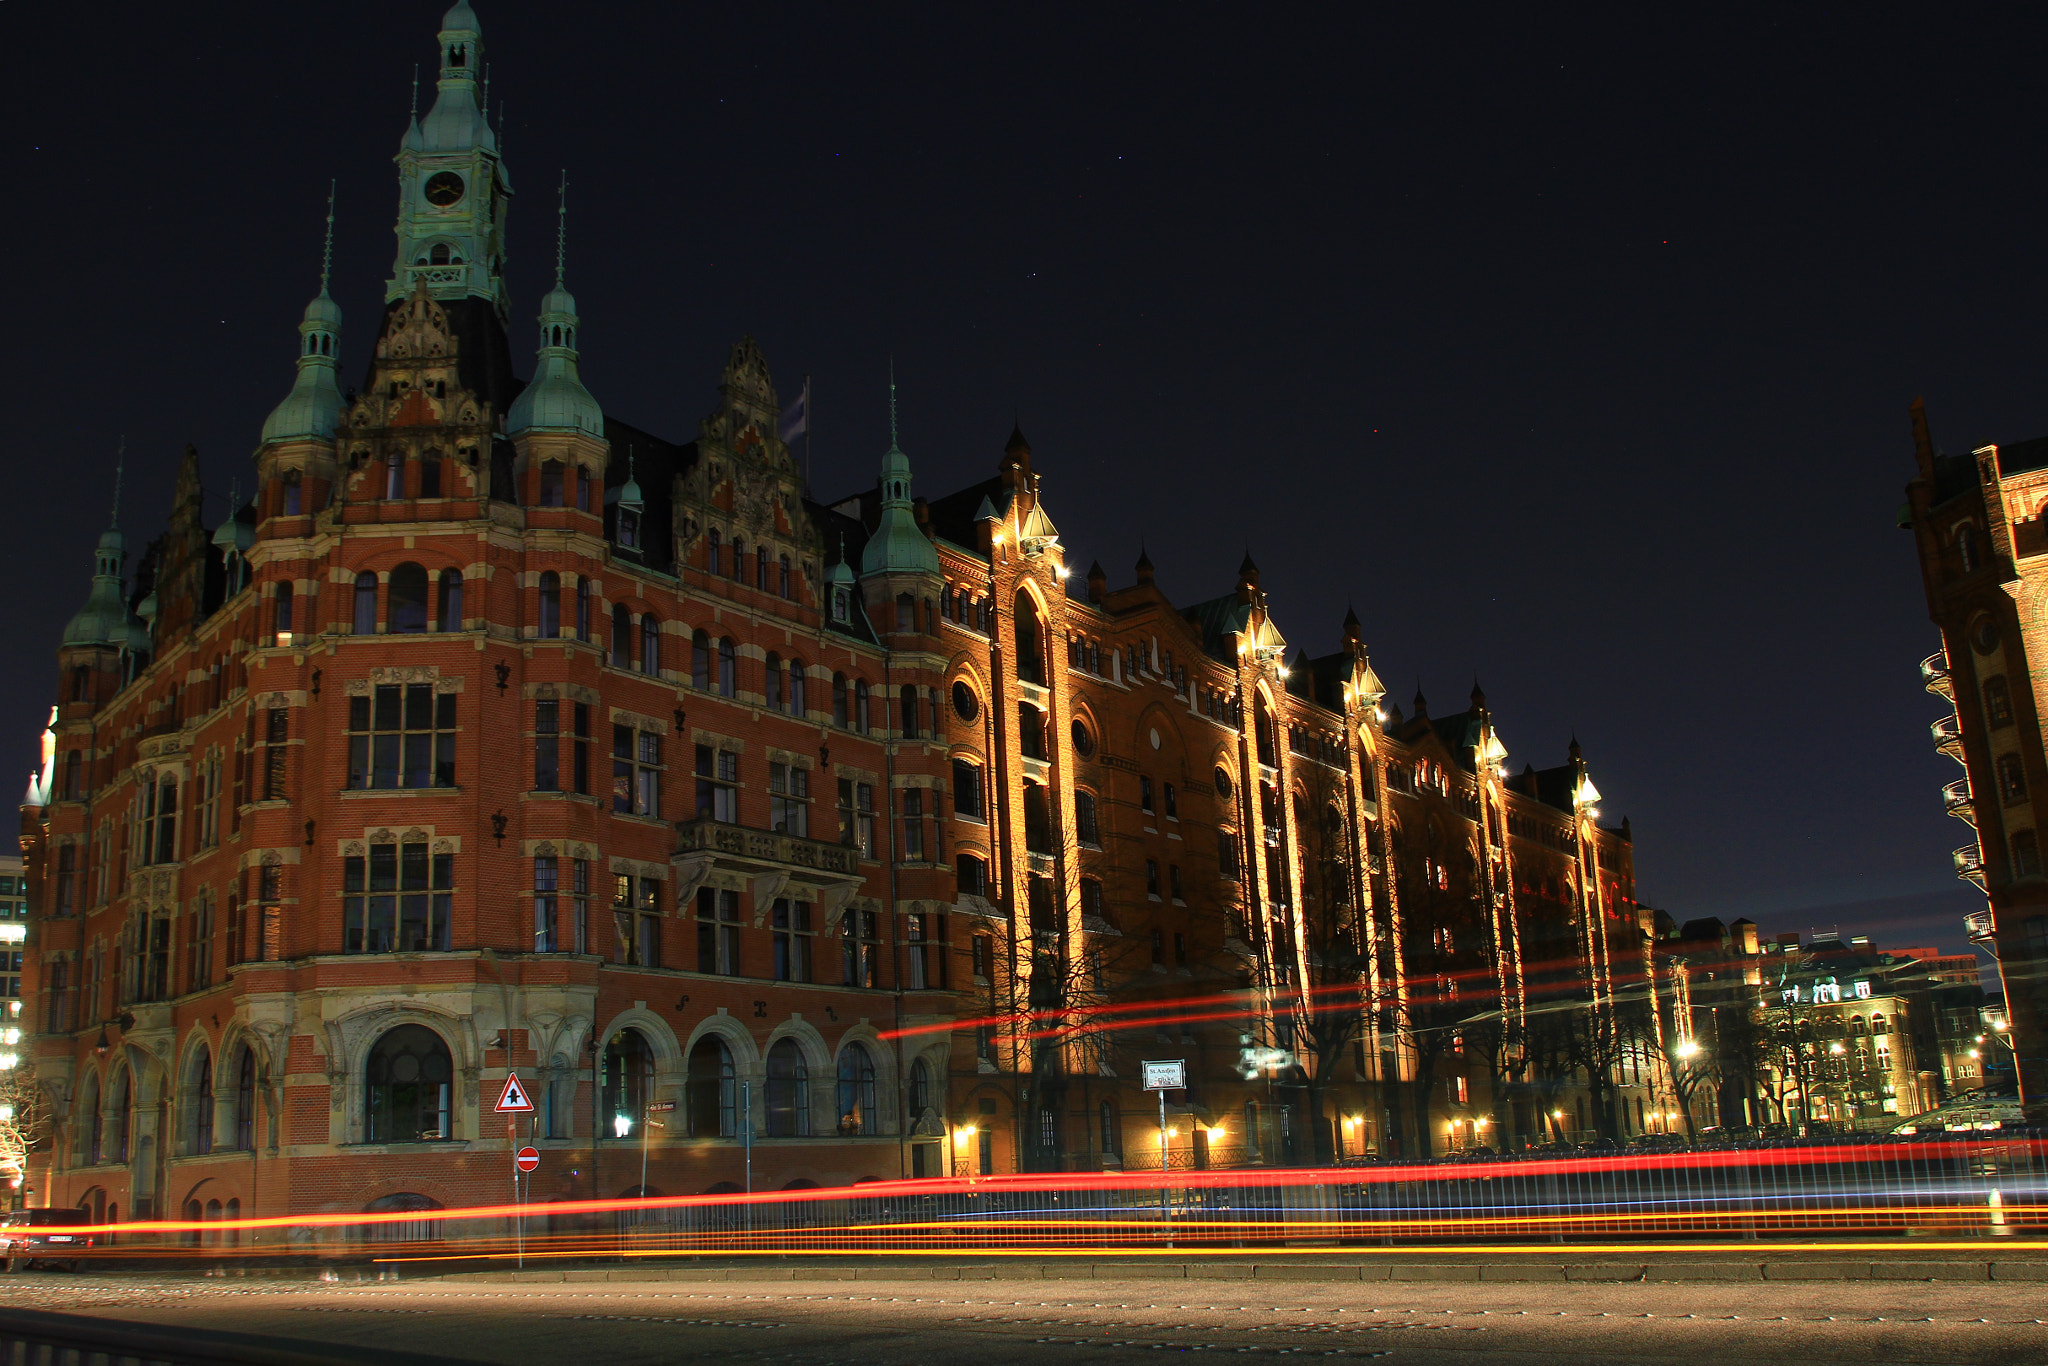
(807, 436)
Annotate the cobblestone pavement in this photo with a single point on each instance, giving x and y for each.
(742, 1322)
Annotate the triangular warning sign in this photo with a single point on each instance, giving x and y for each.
(514, 1100)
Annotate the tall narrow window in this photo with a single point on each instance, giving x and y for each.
(582, 607)
(622, 636)
(402, 735)
(550, 623)
(739, 560)
(712, 560)
(860, 705)
(579, 743)
(792, 940)
(857, 816)
(636, 771)
(245, 1101)
(718, 931)
(909, 708)
(430, 475)
(282, 614)
(771, 681)
(789, 799)
(394, 475)
(547, 727)
(546, 926)
(2012, 778)
(785, 585)
(551, 484)
(1086, 828)
(967, 795)
(842, 706)
(860, 939)
(712, 1107)
(913, 825)
(451, 600)
(700, 661)
(797, 679)
(408, 599)
(788, 1091)
(728, 668)
(857, 1111)
(276, 752)
(366, 604)
(718, 794)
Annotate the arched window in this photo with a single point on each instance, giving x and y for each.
(856, 1099)
(1966, 547)
(711, 556)
(622, 636)
(787, 585)
(394, 474)
(789, 1091)
(739, 559)
(797, 675)
(771, 679)
(550, 623)
(761, 569)
(650, 644)
(628, 1085)
(906, 612)
(860, 705)
(920, 1089)
(408, 1096)
(281, 614)
(1877, 1025)
(1030, 642)
(451, 600)
(842, 708)
(909, 713)
(202, 1104)
(408, 595)
(90, 1133)
(700, 661)
(117, 1102)
(438, 255)
(728, 668)
(366, 604)
(582, 607)
(551, 484)
(711, 1097)
(245, 1100)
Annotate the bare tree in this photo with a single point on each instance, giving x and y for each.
(25, 1120)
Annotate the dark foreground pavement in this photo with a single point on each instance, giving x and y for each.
(822, 1315)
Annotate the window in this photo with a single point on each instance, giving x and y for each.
(399, 898)
(1086, 829)
(276, 752)
(627, 1084)
(842, 708)
(981, 957)
(1084, 739)
(718, 931)
(712, 1111)
(861, 716)
(650, 645)
(409, 1093)
(700, 661)
(1144, 794)
(199, 943)
(787, 584)
(789, 799)
(408, 604)
(1167, 800)
(1031, 731)
(972, 875)
(792, 940)
(394, 464)
(281, 614)
(728, 668)
(622, 636)
(366, 604)
(1226, 854)
(550, 622)
(913, 825)
(402, 735)
(711, 549)
(547, 745)
(1152, 878)
(857, 816)
(636, 771)
(856, 1098)
(451, 600)
(1173, 881)
(789, 1091)
(771, 681)
(739, 560)
(761, 569)
(203, 1105)
(67, 879)
(245, 1100)
(920, 1088)
(551, 484)
(1997, 702)
(636, 921)
(1030, 647)
(967, 794)
(2026, 855)
(554, 931)
(966, 705)
(796, 687)
(430, 475)
(2012, 778)
(922, 954)
(862, 949)
(718, 794)
(909, 709)
(582, 609)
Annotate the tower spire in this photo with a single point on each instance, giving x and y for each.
(413, 109)
(892, 403)
(120, 465)
(562, 229)
(327, 247)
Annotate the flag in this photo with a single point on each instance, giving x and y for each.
(796, 418)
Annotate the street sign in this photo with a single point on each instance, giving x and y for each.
(513, 1101)
(527, 1159)
(1166, 1076)
(661, 1107)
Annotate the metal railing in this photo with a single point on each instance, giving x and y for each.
(1969, 863)
(33, 1338)
(1934, 673)
(1957, 801)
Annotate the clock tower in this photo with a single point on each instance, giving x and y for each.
(452, 188)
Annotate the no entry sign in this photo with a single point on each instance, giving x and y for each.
(526, 1159)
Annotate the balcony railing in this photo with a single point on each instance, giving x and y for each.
(1956, 800)
(1948, 737)
(765, 846)
(1969, 865)
(1934, 672)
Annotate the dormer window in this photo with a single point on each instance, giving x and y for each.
(629, 529)
(841, 605)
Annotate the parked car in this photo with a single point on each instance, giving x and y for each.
(40, 1236)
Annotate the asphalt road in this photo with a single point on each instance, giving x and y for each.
(988, 1324)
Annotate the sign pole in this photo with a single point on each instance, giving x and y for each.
(519, 1214)
(1164, 1076)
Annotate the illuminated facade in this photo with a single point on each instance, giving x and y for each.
(1977, 523)
(494, 733)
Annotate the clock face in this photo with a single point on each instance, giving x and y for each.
(444, 188)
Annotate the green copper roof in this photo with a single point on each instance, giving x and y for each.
(105, 620)
(898, 544)
(557, 400)
(313, 406)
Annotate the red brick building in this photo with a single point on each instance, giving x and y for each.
(496, 734)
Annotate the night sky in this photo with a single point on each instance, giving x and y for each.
(1574, 350)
